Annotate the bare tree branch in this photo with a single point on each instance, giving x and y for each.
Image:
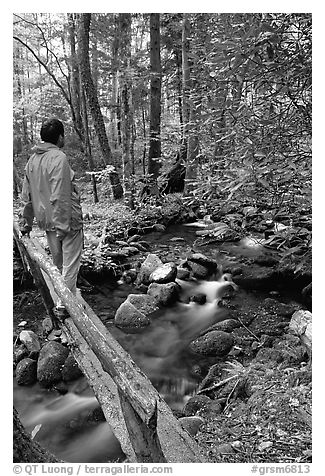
(65, 95)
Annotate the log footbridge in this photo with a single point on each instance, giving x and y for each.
(141, 420)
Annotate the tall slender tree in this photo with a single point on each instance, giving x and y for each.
(185, 83)
(125, 20)
(154, 159)
(192, 102)
(74, 78)
(93, 103)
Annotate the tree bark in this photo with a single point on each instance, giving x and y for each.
(185, 83)
(191, 104)
(154, 159)
(88, 152)
(115, 82)
(92, 98)
(74, 80)
(125, 20)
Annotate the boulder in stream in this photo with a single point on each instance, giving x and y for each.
(70, 369)
(182, 273)
(166, 273)
(164, 294)
(199, 271)
(26, 372)
(20, 353)
(50, 362)
(133, 313)
(151, 263)
(201, 259)
(31, 342)
(214, 344)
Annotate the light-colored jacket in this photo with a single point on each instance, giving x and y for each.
(49, 191)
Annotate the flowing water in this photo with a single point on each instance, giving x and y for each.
(67, 424)
(64, 424)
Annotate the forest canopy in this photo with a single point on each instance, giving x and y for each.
(220, 100)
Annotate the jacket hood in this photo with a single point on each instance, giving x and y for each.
(43, 147)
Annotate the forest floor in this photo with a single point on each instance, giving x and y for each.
(264, 413)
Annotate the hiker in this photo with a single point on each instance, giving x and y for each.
(50, 195)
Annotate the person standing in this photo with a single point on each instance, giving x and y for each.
(49, 194)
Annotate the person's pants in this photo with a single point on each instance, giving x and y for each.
(66, 256)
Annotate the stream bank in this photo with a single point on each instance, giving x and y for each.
(272, 365)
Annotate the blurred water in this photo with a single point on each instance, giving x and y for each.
(66, 425)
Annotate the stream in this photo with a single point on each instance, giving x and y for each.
(71, 424)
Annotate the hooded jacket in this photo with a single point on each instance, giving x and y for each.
(49, 191)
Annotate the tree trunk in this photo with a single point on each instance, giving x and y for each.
(154, 159)
(115, 81)
(192, 148)
(179, 89)
(185, 83)
(25, 450)
(88, 152)
(74, 80)
(126, 109)
(91, 94)
(191, 103)
(20, 90)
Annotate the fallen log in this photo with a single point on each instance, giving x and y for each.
(176, 445)
(102, 385)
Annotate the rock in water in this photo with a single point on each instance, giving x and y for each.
(26, 372)
(164, 274)
(143, 303)
(30, 340)
(203, 260)
(129, 318)
(199, 271)
(50, 362)
(134, 312)
(20, 353)
(151, 263)
(214, 343)
(70, 370)
(183, 273)
(164, 294)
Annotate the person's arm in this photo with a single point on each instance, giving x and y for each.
(60, 183)
(27, 213)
